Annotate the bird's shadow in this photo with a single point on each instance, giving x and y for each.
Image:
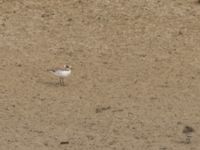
(52, 84)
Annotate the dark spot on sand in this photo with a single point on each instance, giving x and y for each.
(101, 109)
(118, 110)
(180, 33)
(19, 65)
(187, 130)
(70, 19)
(64, 142)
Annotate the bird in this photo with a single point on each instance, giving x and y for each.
(61, 73)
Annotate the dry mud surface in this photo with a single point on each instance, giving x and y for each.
(136, 75)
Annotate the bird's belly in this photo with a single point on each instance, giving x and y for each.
(62, 73)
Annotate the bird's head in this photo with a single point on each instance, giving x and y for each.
(67, 66)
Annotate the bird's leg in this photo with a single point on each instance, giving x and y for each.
(63, 82)
(60, 81)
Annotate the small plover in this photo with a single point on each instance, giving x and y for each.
(61, 73)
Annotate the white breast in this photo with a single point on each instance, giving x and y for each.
(62, 73)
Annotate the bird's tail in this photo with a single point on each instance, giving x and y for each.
(50, 70)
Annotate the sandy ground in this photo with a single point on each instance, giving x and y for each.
(136, 75)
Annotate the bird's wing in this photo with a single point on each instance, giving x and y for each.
(57, 69)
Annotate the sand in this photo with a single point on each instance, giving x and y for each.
(135, 83)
